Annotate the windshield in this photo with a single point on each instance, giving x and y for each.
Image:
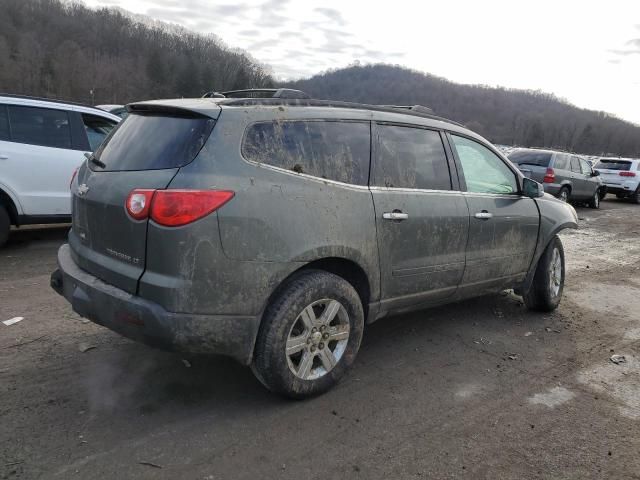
(153, 142)
(613, 165)
(540, 159)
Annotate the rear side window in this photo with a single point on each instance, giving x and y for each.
(154, 142)
(334, 150)
(614, 165)
(562, 162)
(40, 126)
(97, 129)
(411, 158)
(537, 159)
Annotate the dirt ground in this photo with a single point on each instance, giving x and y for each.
(480, 389)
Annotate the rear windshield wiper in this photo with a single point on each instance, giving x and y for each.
(94, 160)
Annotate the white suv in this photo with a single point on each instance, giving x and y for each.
(621, 176)
(42, 142)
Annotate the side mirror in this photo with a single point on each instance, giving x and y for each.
(531, 188)
(595, 173)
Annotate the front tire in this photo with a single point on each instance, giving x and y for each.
(5, 225)
(563, 195)
(309, 336)
(595, 200)
(548, 283)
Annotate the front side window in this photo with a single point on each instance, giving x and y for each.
(40, 126)
(411, 158)
(483, 170)
(97, 129)
(334, 150)
(586, 169)
(575, 165)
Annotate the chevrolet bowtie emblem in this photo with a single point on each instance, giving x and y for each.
(82, 189)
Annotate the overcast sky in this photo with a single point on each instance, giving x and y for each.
(585, 51)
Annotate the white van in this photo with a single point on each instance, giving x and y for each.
(42, 142)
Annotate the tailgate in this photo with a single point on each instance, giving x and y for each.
(145, 151)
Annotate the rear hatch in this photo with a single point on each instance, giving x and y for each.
(145, 151)
(532, 164)
(611, 170)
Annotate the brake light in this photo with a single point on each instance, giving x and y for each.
(549, 176)
(174, 208)
(73, 177)
(627, 174)
(139, 202)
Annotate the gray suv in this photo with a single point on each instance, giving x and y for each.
(563, 175)
(274, 230)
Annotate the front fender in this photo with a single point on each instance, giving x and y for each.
(555, 216)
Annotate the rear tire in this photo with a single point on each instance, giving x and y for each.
(595, 200)
(309, 336)
(620, 195)
(545, 292)
(5, 225)
(635, 198)
(563, 194)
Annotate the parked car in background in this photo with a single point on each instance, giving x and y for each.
(563, 175)
(621, 176)
(42, 142)
(253, 228)
(119, 110)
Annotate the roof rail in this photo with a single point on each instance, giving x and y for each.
(258, 93)
(246, 102)
(43, 99)
(413, 108)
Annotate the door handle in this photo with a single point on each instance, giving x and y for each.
(395, 215)
(484, 215)
(4, 157)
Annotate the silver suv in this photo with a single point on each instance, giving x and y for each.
(274, 230)
(563, 175)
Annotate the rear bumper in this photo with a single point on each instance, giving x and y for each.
(552, 188)
(626, 189)
(147, 322)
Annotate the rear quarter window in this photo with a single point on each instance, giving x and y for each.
(333, 150)
(154, 142)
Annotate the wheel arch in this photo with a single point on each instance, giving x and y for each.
(345, 268)
(9, 204)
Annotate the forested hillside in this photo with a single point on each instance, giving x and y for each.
(512, 117)
(65, 50)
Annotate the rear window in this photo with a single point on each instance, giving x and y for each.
(537, 159)
(154, 142)
(613, 165)
(334, 150)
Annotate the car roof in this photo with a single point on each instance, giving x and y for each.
(23, 100)
(326, 108)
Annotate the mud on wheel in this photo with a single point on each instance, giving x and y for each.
(309, 336)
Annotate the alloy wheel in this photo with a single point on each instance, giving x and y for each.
(318, 339)
(555, 273)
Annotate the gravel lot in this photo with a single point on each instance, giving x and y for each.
(480, 389)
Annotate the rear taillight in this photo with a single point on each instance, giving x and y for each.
(627, 174)
(173, 208)
(549, 176)
(139, 203)
(73, 177)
